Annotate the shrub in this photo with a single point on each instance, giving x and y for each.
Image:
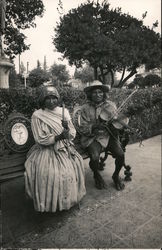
(37, 77)
(71, 96)
(144, 108)
(27, 100)
(20, 100)
(152, 80)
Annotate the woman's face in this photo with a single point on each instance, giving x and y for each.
(97, 96)
(51, 102)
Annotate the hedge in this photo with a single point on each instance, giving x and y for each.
(144, 108)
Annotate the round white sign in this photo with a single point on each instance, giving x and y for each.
(19, 133)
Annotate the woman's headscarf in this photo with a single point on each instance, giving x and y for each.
(45, 91)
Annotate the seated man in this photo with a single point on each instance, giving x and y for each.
(96, 136)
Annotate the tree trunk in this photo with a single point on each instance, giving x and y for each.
(121, 84)
(112, 78)
(122, 76)
(102, 76)
(95, 73)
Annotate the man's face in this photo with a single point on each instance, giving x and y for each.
(97, 96)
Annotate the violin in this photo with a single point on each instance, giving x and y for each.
(120, 122)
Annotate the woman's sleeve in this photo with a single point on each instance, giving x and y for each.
(85, 127)
(41, 132)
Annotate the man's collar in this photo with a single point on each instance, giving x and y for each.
(96, 105)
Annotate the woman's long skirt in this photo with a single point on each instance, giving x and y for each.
(53, 180)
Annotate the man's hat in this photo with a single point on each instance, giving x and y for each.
(95, 85)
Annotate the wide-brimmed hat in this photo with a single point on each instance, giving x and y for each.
(48, 90)
(96, 84)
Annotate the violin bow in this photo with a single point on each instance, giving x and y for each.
(123, 104)
(125, 101)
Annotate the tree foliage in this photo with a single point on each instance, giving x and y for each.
(139, 81)
(150, 80)
(37, 77)
(85, 74)
(20, 15)
(59, 72)
(14, 79)
(111, 41)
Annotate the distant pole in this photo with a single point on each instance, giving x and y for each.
(45, 64)
(25, 80)
(27, 67)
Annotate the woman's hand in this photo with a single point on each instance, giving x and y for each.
(63, 135)
(64, 124)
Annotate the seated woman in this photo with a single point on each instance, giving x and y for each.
(54, 170)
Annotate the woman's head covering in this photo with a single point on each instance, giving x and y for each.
(48, 90)
(95, 85)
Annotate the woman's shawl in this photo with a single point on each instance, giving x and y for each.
(46, 124)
